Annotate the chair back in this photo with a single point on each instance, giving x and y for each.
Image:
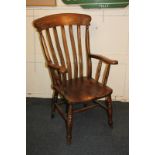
(63, 37)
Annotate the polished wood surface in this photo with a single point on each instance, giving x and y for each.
(66, 52)
(64, 19)
(74, 52)
(83, 89)
(98, 70)
(89, 65)
(55, 60)
(80, 51)
(104, 59)
(67, 71)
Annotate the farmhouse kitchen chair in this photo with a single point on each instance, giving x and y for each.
(66, 66)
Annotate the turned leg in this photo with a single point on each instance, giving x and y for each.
(109, 111)
(69, 123)
(54, 101)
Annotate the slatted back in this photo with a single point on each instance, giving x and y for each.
(62, 54)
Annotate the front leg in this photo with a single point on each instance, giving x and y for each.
(69, 123)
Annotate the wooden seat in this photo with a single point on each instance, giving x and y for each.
(83, 89)
(70, 70)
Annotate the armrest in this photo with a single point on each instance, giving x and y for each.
(61, 69)
(105, 59)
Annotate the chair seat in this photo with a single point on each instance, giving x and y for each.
(83, 89)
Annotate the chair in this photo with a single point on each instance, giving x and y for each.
(66, 66)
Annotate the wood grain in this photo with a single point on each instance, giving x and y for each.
(66, 52)
(89, 65)
(51, 47)
(80, 51)
(74, 51)
(98, 70)
(61, 19)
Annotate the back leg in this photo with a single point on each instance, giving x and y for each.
(54, 101)
(109, 110)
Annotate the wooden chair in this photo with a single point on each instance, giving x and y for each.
(67, 66)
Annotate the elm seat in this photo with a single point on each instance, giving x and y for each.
(83, 89)
(67, 65)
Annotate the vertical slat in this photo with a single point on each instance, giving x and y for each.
(69, 68)
(59, 49)
(58, 46)
(74, 51)
(106, 74)
(53, 73)
(45, 47)
(80, 50)
(98, 70)
(89, 65)
(51, 47)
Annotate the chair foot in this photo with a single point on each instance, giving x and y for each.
(52, 116)
(110, 124)
(69, 140)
